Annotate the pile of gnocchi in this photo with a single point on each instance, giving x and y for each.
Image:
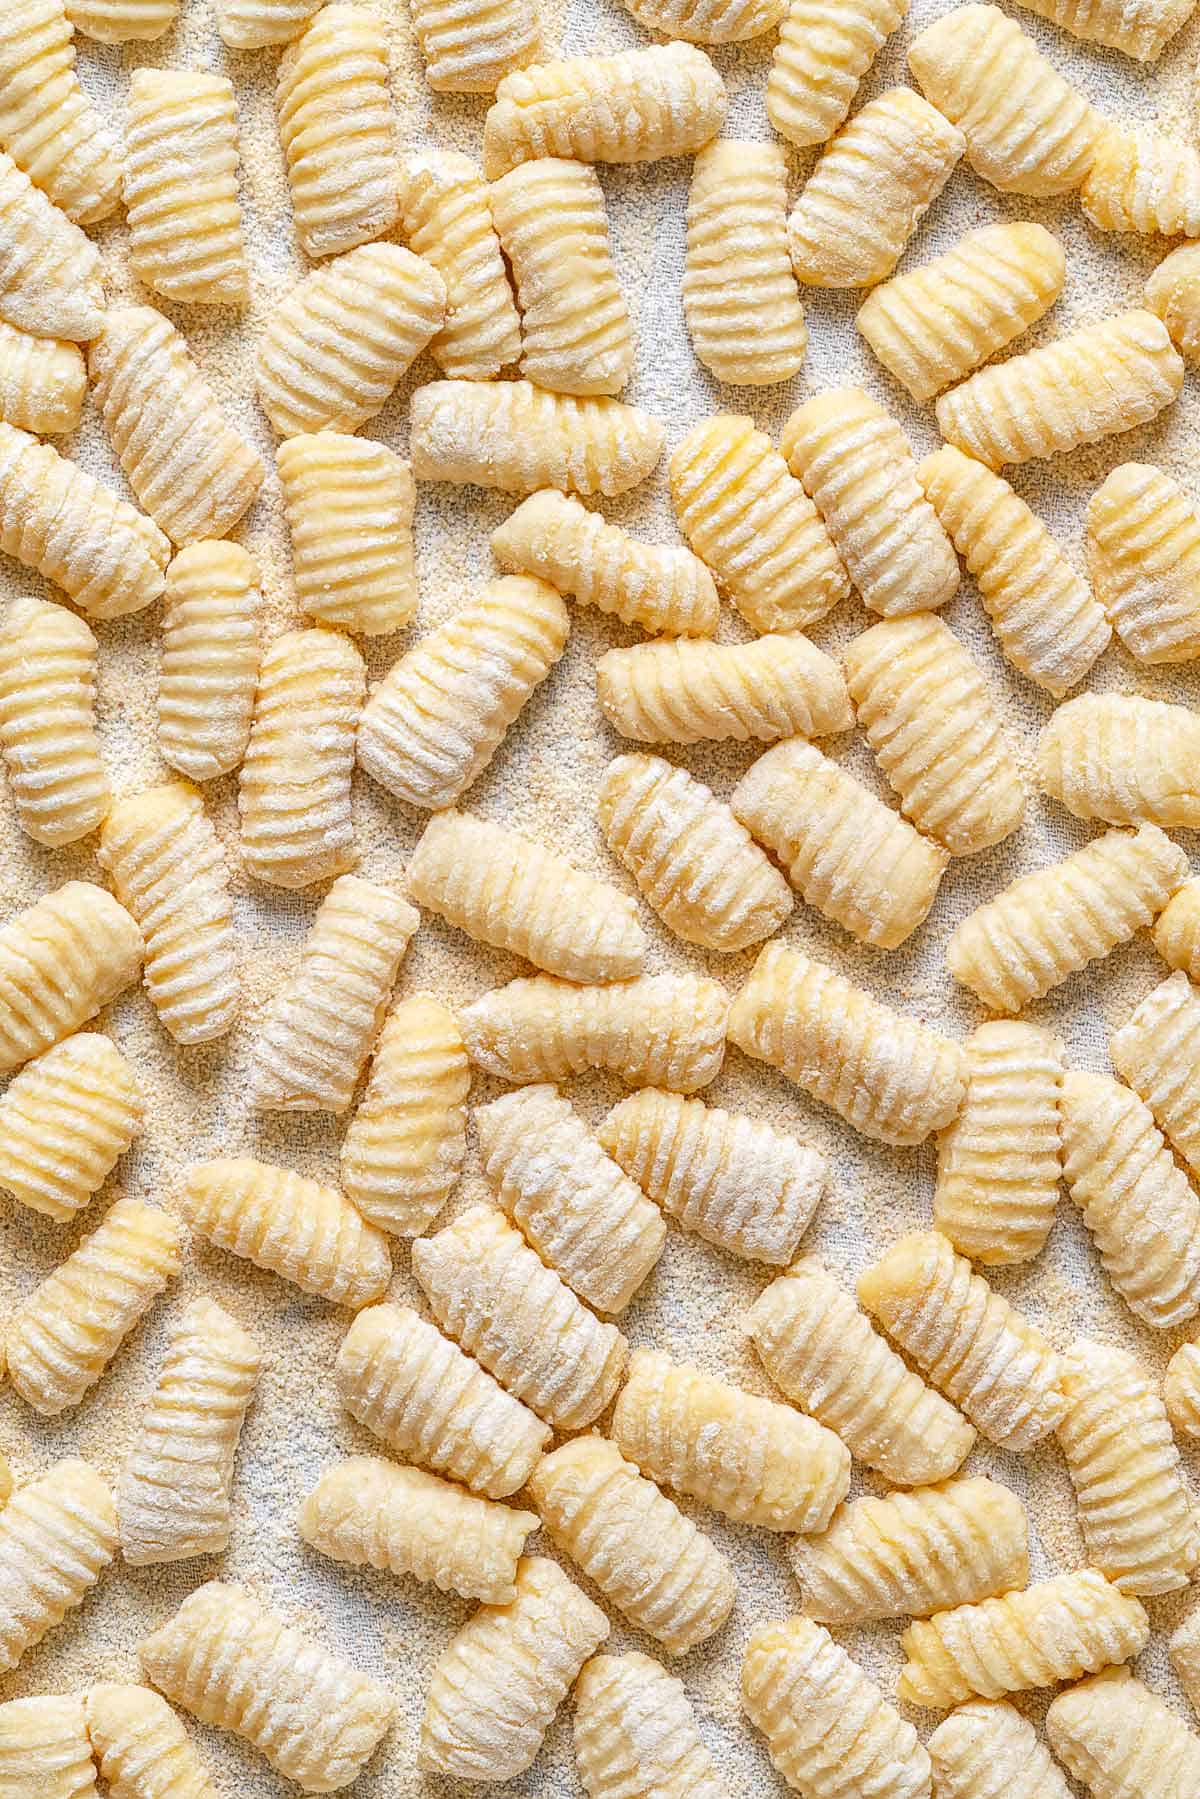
(516, 1403)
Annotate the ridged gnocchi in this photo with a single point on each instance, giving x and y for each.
(1046, 621)
(574, 1205)
(693, 691)
(336, 130)
(848, 854)
(870, 190)
(656, 1031)
(747, 515)
(491, 1293)
(648, 1560)
(888, 1076)
(830, 1732)
(404, 1148)
(518, 438)
(935, 324)
(1142, 541)
(999, 1163)
(161, 851)
(693, 860)
(661, 587)
(740, 303)
(967, 1339)
(1047, 926)
(320, 1025)
(505, 890)
(926, 712)
(731, 1179)
(62, 1336)
(65, 1121)
(439, 715)
(173, 1494)
(825, 48)
(1134, 1508)
(446, 219)
(419, 1393)
(305, 1232)
(753, 1459)
(349, 506)
(824, 1355)
(497, 1685)
(186, 238)
(210, 655)
(1098, 381)
(552, 224)
(48, 740)
(61, 960)
(856, 464)
(368, 1512)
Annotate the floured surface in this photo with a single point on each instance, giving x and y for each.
(545, 781)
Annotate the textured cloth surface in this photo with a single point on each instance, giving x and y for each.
(544, 781)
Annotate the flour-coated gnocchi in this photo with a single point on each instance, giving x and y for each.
(890, 1077)
(824, 50)
(1142, 540)
(45, 1751)
(574, 1205)
(173, 1494)
(753, 1459)
(231, 1661)
(194, 474)
(691, 691)
(433, 724)
(505, 890)
(469, 48)
(636, 106)
(823, 1354)
(1157, 1051)
(349, 505)
(320, 1025)
(61, 960)
(421, 1395)
(1142, 181)
(732, 1179)
(446, 219)
(368, 1512)
(648, 1560)
(186, 238)
(50, 276)
(1054, 1630)
(42, 382)
(58, 1533)
(47, 123)
(1047, 926)
(1122, 758)
(740, 303)
(141, 1748)
(635, 1732)
(403, 1151)
(65, 1120)
(967, 1339)
(1028, 130)
(337, 131)
(748, 517)
(999, 1163)
(491, 1293)
(553, 227)
(1121, 1741)
(337, 344)
(829, 1730)
(985, 1749)
(518, 438)
(294, 783)
(926, 712)
(934, 324)
(856, 464)
(661, 587)
(161, 851)
(1138, 1205)
(305, 1232)
(1098, 381)
(870, 190)
(656, 1031)
(496, 1686)
(210, 656)
(61, 1337)
(48, 741)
